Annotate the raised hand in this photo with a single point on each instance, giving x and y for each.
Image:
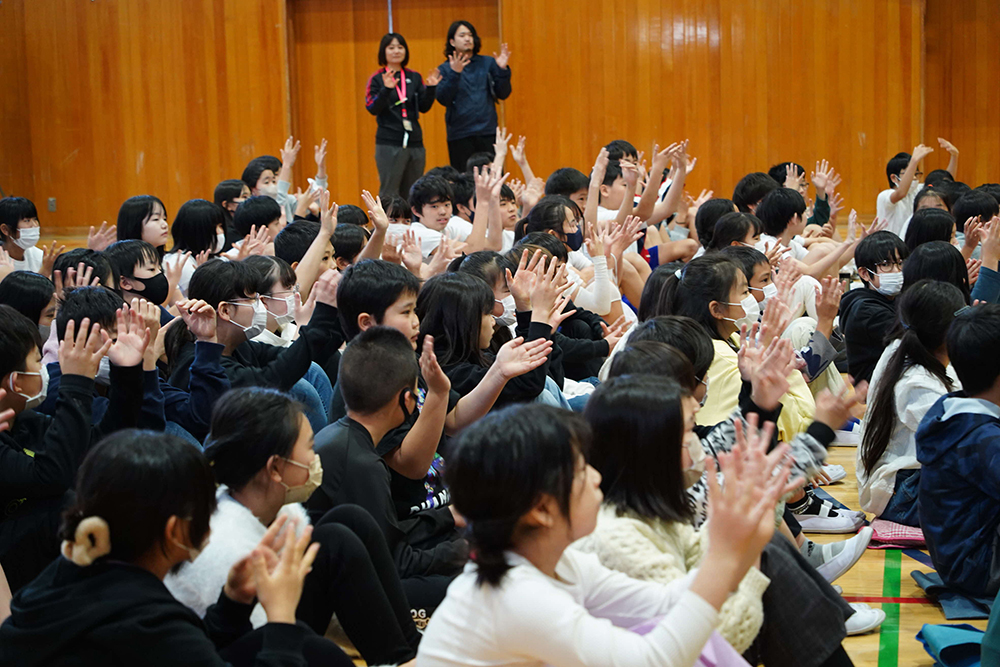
(103, 237)
(971, 229)
(199, 316)
(305, 200)
(441, 258)
(793, 179)
(948, 147)
(240, 586)
(254, 244)
(990, 235)
(920, 152)
(304, 310)
(327, 213)
(614, 333)
(49, 257)
(630, 173)
(973, 266)
(280, 589)
(522, 283)
(319, 154)
(430, 369)
(375, 211)
(503, 57)
(80, 353)
(600, 167)
(388, 78)
(770, 382)
(326, 287)
(775, 319)
(534, 191)
(832, 183)
(828, 303)
(433, 78)
(834, 409)
(821, 176)
(517, 152)
(457, 61)
(290, 152)
(773, 252)
(175, 272)
(516, 357)
(836, 202)
(150, 315)
(133, 337)
(546, 291)
(500, 146)
(411, 256)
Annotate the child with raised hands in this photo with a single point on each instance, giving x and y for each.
(521, 479)
(141, 510)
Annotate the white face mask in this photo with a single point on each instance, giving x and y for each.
(39, 398)
(509, 316)
(694, 472)
(28, 238)
(220, 241)
(302, 492)
(193, 552)
(269, 190)
(259, 322)
(289, 315)
(890, 284)
(751, 311)
(104, 372)
(769, 290)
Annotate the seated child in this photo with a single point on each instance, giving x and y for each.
(781, 214)
(750, 190)
(140, 275)
(33, 295)
(144, 218)
(199, 229)
(929, 224)
(19, 234)
(256, 213)
(895, 204)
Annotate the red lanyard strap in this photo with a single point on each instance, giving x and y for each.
(401, 89)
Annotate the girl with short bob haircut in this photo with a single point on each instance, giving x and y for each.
(32, 295)
(929, 224)
(521, 479)
(199, 232)
(142, 508)
(742, 229)
(144, 217)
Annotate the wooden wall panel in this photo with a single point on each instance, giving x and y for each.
(963, 100)
(16, 174)
(750, 82)
(335, 51)
(162, 98)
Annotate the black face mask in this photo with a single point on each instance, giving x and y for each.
(155, 289)
(575, 240)
(402, 404)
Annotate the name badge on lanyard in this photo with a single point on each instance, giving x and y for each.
(401, 92)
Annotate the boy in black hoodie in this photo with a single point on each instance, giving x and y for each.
(39, 455)
(867, 314)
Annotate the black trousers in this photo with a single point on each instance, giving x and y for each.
(316, 650)
(354, 576)
(29, 538)
(460, 150)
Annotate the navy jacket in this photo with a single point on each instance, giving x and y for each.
(958, 446)
(470, 97)
(383, 103)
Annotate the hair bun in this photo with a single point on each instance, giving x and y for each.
(91, 540)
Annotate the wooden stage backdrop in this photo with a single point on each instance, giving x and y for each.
(112, 98)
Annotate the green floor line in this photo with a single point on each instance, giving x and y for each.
(888, 639)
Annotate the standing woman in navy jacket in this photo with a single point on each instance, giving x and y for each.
(470, 86)
(397, 96)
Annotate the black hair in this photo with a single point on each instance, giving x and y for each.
(992, 189)
(452, 29)
(506, 193)
(349, 214)
(478, 160)
(348, 242)
(637, 430)
(938, 192)
(780, 171)
(99, 304)
(877, 248)
(450, 307)
(708, 214)
(929, 224)
(705, 279)
(549, 214)
(397, 208)
(12, 211)
(464, 192)
(487, 265)
(896, 166)
(257, 166)
(973, 332)
(257, 211)
(447, 172)
(384, 44)
(194, 227)
(249, 426)
(292, 242)
(371, 286)
(547, 242)
(923, 316)
(937, 260)
(751, 189)
(27, 292)
(228, 190)
(134, 213)
(18, 337)
(777, 209)
(650, 298)
(748, 259)
(733, 226)
(974, 204)
(375, 368)
(566, 181)
(651, 357)
(92, 258)
(620, 148)
(124, 256)
(612, 173)
(683, 333)
(938, 176)
(429, 190)
(136, 480)
(271, 272)
(500, 469)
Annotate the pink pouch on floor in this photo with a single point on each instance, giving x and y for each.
(717, 651)
(889, 534)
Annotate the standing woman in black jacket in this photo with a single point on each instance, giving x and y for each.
(397, 96)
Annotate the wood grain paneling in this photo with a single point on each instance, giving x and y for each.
(963, 100)
(335, 51)
(750, 82)
(162, 98)
(16, 173)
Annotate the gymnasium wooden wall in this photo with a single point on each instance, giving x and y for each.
(961, 92)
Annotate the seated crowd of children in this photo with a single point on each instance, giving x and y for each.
(578, 421)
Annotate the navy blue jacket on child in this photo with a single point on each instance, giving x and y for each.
(470, 97)
(958, 446)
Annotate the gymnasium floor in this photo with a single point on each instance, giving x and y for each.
(882, 578)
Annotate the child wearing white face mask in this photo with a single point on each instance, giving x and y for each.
(20, 232)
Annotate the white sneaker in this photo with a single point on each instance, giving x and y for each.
(837, 589)
(847, 554)
(845, 521)
(864, 619)
(835, 473)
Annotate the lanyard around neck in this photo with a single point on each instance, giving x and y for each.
(401, 88)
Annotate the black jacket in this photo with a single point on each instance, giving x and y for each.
(865, 318)
(118, 614)
(383, 103)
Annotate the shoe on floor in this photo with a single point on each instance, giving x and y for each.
(864, 619)
(834, 559)
(837, 589)
(835, 473)
(822, 517)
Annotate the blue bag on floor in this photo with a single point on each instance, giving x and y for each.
(957, 606)
(952, 645)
